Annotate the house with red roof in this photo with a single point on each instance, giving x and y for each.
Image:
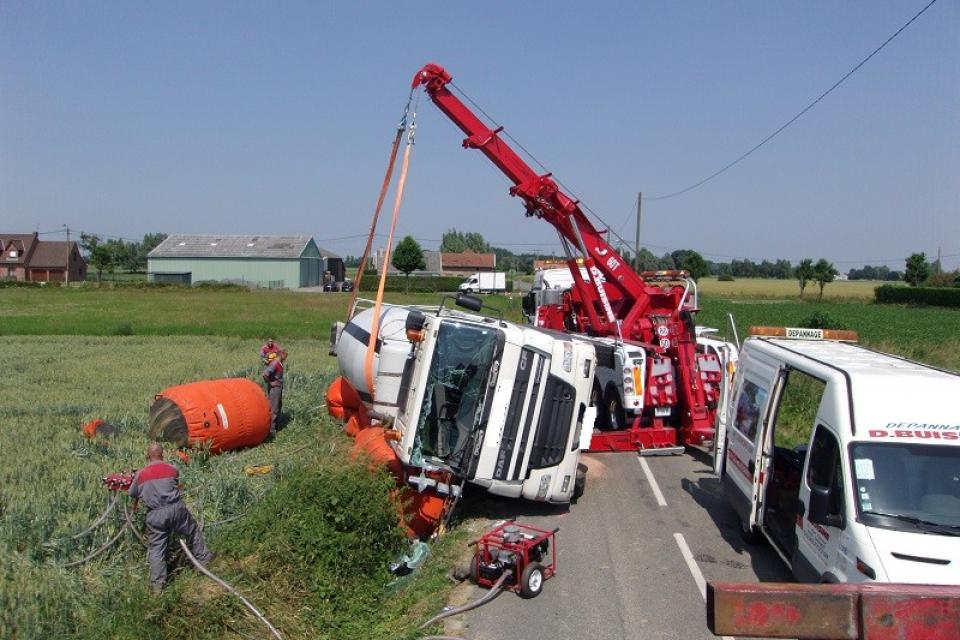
(24, 257)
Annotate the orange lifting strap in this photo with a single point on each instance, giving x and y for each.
(398, 199)
(376, 214)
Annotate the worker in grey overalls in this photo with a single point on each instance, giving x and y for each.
(273, 377)
(157, 484)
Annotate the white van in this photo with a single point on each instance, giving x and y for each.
(845, 459)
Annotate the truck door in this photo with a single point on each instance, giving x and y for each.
(824, 519)
(727, 354)
(744, 443)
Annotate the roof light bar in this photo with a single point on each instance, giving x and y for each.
(798, 333)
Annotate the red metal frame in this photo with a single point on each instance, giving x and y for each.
(624, 305)
(836, 611)
(493, 541)
(633, 439)
(118, 481)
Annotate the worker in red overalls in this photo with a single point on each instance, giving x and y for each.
(273, 377)
(270, 346)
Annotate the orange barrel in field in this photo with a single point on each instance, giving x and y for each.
(226, 414)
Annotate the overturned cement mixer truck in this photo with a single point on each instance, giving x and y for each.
(494, 403)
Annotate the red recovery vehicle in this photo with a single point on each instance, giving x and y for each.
(681, 385)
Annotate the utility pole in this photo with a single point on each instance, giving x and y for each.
(636, 244)
(939, 264)
(66, 273)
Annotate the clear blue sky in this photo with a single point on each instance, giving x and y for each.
(228, 117)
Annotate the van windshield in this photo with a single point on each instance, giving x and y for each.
(908, 486)
(457, 384)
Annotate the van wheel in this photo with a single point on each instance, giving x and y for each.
(468, 291)
(614, 409)
(750, 535)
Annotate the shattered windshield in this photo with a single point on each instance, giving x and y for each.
(908, 486)
(457, 384)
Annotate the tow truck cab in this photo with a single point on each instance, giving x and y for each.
(500, 405)
(846, 460)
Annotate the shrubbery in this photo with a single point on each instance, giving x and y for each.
(932, 296)
(16, 284)
(821, 320)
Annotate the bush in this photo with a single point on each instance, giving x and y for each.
(15, 284)
(821, 320)
(725, 277)
(123, 329)
(418, 284)
(932, 296)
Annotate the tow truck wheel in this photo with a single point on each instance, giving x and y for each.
(531, 580)
(614, 410)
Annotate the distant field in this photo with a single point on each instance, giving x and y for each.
(767, 288)
(176, 311)
(928, 334)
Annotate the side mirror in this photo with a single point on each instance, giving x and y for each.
(469, 302)
(820, 502)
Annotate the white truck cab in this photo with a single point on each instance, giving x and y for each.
(845, 459)
(499, 404)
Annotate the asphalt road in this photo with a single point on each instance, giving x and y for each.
(630, 556)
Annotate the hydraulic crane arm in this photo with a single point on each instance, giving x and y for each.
(617, 301)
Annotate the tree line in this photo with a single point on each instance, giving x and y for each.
(115, 254)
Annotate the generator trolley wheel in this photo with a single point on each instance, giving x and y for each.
(531, 580)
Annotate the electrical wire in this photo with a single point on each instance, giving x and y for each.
(800, 114)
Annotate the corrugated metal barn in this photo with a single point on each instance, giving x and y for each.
(275, 262)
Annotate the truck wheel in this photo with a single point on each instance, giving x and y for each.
(531, 580)
(579, 482)
(468, 291)
(603, 418)
(614, 409)
(750, 535)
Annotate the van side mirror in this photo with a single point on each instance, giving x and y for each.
(820, 504)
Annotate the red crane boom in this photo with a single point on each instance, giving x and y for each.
(614, 300)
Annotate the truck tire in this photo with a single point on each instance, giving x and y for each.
(613, 408)
(580, 482)
(603, 418)
(606, 356)
(531, 580)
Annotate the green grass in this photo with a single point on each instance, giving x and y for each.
(178, 311)
(50, 489)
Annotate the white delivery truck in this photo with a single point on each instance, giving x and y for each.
(485, 282)
(845, 459)
(498, 404)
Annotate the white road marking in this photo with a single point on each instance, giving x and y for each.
(653, 482)
(694, 569)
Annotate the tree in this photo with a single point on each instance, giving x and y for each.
(694, 263)
(803, 273)
(824, 273)
(454, 241)
(918, 269)
(408, 257)
(99, 255)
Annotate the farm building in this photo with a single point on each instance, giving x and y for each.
(25, 257)
(276, 262)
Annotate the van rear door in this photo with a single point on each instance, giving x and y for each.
(743, 472)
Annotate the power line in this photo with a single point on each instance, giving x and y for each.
(789, 122)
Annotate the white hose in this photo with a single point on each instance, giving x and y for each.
(226, 586)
